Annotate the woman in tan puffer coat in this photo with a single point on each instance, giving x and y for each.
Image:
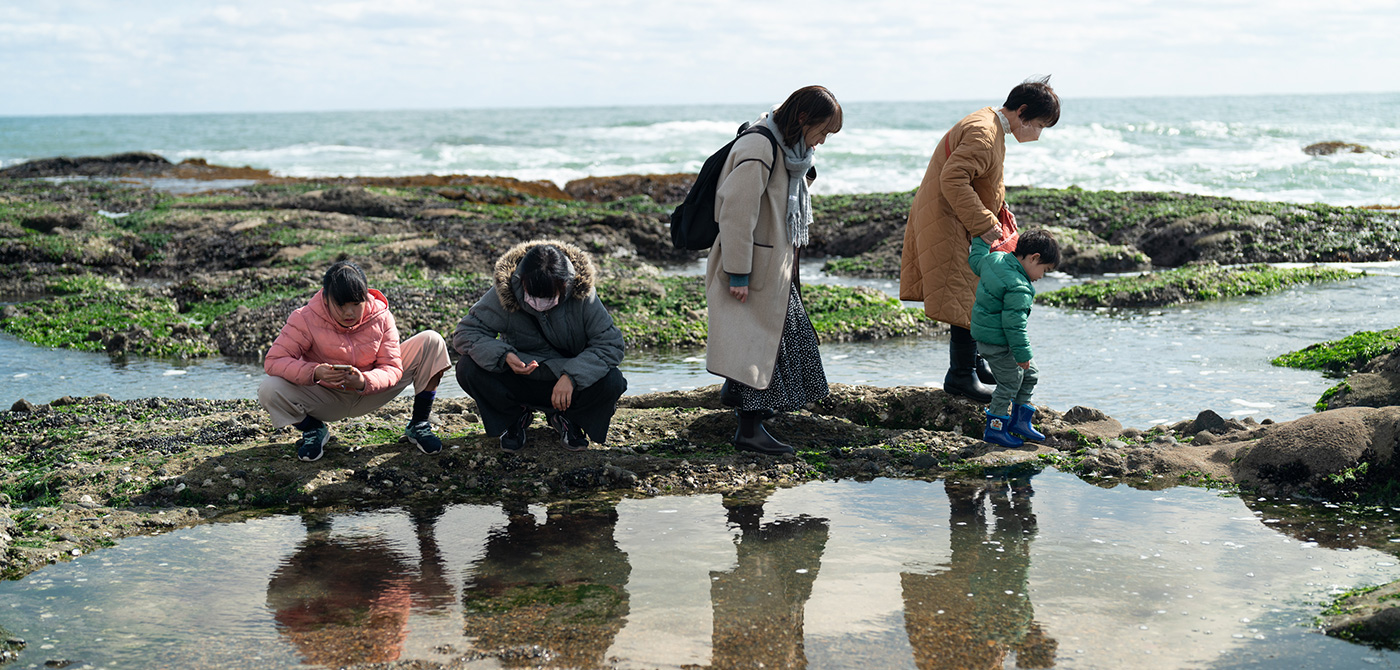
(760, 339)
(963, 196)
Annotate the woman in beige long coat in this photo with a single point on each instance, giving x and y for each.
(963, 196)
(761, 340)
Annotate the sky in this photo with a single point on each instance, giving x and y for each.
(151, 56)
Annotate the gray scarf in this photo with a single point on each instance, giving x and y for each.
(799, 200)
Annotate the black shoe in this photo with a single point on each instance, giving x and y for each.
(311, 445)
(966, 384)
(761, 442)
(513, 439)
(984, 372)
(571, 437)
(962, 378)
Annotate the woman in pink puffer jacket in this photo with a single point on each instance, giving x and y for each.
(340, 356)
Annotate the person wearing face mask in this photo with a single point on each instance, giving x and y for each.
(340, 357)
(963, 196)
(540, 339)
(760, 339)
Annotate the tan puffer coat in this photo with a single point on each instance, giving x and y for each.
(957, 201)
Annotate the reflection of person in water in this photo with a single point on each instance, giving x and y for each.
(759, 604)
(977, 611)
(346, 600)
(560, 584)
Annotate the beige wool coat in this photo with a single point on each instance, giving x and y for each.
(751, 209)
(957, 201)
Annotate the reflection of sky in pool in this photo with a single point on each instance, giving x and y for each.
(839, 574)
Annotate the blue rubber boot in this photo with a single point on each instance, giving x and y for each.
(1021, 416)
(996, 432)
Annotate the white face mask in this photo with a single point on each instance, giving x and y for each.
(541, 304)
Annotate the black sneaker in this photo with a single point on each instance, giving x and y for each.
(310, 446)
(421, 435)
(513, 439)
(571, 437)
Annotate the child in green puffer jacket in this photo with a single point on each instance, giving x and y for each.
(1004, 297)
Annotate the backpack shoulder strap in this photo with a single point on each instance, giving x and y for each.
(764, 131)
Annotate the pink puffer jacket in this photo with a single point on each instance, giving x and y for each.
(312, 337)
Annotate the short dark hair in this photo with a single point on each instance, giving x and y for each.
(544, 270)
(1039, 242)
(345, 283)
(807, 106)
(1039, 99)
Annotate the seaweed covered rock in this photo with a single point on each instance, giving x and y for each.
(1083, 253)
(1376, 384)
(1370, 616)
(348, 200)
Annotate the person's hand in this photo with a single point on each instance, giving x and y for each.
(354, 379)
(992, 236)
(563, 394)
(1025, 366)
(520, 367)
(343, 377)
(740, 293)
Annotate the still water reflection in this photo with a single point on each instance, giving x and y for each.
(1030, 573)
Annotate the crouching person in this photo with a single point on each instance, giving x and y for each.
(540, 340)
(339, 356)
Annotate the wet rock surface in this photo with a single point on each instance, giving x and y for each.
(80, 472)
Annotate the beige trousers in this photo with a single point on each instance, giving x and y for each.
(424, 357)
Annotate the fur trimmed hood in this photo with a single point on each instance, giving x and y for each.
(507, 280)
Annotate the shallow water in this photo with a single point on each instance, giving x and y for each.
(889, 573)
(1142, 367)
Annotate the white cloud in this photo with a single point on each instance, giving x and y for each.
(70, 56)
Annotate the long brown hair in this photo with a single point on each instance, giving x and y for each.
(806, 107)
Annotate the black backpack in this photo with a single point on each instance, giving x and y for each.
(693, 224)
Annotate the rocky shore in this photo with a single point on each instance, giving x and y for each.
(98, 264)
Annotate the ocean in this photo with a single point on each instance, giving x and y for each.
(1241, 147)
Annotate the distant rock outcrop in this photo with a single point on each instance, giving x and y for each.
(665, 189)
(115, 165)
(1334, 147)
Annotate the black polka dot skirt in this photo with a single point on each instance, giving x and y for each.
(798, 378)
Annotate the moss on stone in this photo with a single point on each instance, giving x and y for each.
(1188, 284)
(1338, 358)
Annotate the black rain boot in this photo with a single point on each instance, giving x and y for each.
(752, 436)
(962, 368)
(984, 370)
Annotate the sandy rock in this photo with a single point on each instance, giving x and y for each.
(1298, 455)
(22, 405)
(1093, 423)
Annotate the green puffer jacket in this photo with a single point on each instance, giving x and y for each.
(1004, 297)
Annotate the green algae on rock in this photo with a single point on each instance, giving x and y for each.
(1189, 284)
(1337, 358)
